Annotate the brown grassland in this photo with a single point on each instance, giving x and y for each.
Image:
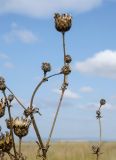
(71, 151)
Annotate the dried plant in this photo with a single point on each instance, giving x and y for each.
(20, 126)
(97, 148)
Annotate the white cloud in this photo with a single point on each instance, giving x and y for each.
(86, 89)
(95, 106)
(3, 56)
(8, 65)
(36, 8)
(68, 94)
(101, 64)
(20, 34)
(5, 59)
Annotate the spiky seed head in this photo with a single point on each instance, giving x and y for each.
(63, 22)
(46, 67)
(6, 142)
(102, 102)
(2, 108)
(67, 58)
(21, 126)
(10, 97)
(66, 70)
(2, 84)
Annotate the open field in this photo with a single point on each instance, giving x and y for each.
(71, 151)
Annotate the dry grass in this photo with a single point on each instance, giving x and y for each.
(71, 151)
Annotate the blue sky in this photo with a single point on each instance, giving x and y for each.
(28, 38)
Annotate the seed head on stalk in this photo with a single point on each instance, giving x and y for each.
(63, 22)
(6, 142)
(2, 84)
(21, 126)
(2, 107)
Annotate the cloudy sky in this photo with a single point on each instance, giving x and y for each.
(28, 38)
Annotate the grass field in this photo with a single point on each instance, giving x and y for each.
(71, 151)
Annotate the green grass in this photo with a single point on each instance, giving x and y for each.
(71, 151)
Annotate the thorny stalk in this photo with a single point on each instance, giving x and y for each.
(11, 128)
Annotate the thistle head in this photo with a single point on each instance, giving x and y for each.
(6, 142)
(102, 102)
(66, 70)
(63, 22)
(2, 108)
(2, 84)
(10, 98)
(46, 67)
(21, 126)
(67, 58)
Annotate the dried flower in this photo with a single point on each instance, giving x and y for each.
(21, 127)
(63, 22)
(2, 84)
(9, 123)
(6, 142)
(66, 70)
(98, 114)
(46, 67)
(102, 102)
(10, 98)
(2, 108)
(68, 58)
(95, 149)
(29, 111)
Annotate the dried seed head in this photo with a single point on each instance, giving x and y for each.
(98, 114)
(95, 149)
(102, 102)
(66, 70)
(6, 142)
(46, 67)
(67, 58)
(2, 108)
(9, 123)
(2, 84)
(10, 98)
(63, 22)
(21, 127)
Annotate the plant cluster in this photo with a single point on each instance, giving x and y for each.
(19, 126)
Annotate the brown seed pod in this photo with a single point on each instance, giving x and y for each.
(2, 84)
(9, 123)
(66, 70)
(102, 102)
(63, 22)
(67, 58)
(6, 142)
(21, 127)
(46, 67)
(10, 98)
(2, 108)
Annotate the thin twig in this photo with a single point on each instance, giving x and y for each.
(53, 125)
(16, 98)
(20, 140)
(62, 94)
